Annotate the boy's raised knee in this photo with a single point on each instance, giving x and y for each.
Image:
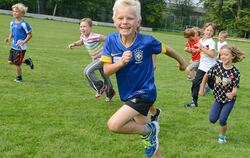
(113, 126)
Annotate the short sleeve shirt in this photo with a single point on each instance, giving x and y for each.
(225, 81)
(136, 79)
(19, 32)
(206, 61)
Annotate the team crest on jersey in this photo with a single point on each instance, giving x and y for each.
(138, 56)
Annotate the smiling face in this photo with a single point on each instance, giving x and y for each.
(208, 31)
(126, 21)
(85, 29)
(226, 56)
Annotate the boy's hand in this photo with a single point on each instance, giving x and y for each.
(7, 40)
(126, 56)
(20, 43)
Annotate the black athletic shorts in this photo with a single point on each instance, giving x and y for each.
(16, 56)
(140, 105)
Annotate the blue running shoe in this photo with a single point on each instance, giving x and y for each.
(208, 90)
(222, 139)
(18, 79)
(150, 142)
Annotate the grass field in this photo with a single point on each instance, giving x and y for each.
(54, 112)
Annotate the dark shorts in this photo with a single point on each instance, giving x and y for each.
(140, 105)
(16, 56)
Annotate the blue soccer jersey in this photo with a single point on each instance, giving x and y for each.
(19, 32)
(136, 79)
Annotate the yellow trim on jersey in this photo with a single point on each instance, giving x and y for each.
(106, 59)
(163, 48)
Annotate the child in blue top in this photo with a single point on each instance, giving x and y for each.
(129, 54)
(227, 78)
(20, 33)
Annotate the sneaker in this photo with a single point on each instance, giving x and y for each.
(109, 98)
(29, 62)
(191, 104)
(18, 79)
(156, 117)
(189, 78)
(101, 91)
(208, 90)
(150, 142)
(222, 139)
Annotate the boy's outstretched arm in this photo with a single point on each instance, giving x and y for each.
(173, 54)
(8, 39)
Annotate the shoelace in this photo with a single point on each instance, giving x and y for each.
(146, 143)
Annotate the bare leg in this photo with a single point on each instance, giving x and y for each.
(223, 130)
(122, 121)
(18, 70)
(158, 154)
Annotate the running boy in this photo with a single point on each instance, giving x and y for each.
(221, 40)
(191, 48)
(129, 54)
(21, 33)
(93, 43)
(227, 78)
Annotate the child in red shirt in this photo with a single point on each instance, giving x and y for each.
(193, 38)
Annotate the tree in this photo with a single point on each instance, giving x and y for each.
(230, 15)
(152, 12)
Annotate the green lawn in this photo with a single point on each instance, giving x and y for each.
(54, 112)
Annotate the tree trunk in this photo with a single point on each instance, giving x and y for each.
(38, 6)
(54, 12)
(239, 8)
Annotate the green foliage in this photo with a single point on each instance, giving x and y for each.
(54, 114)
(230, 15)
(152, 12)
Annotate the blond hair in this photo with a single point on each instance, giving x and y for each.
(20, 7)
(224, 34)
(87, 20)
(134, 4)
(236, 53)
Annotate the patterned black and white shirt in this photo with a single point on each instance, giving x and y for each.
(225, 81)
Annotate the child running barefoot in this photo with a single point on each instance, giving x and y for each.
(21, 33)
(92, 42)
(129, 54)
(227, 78)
